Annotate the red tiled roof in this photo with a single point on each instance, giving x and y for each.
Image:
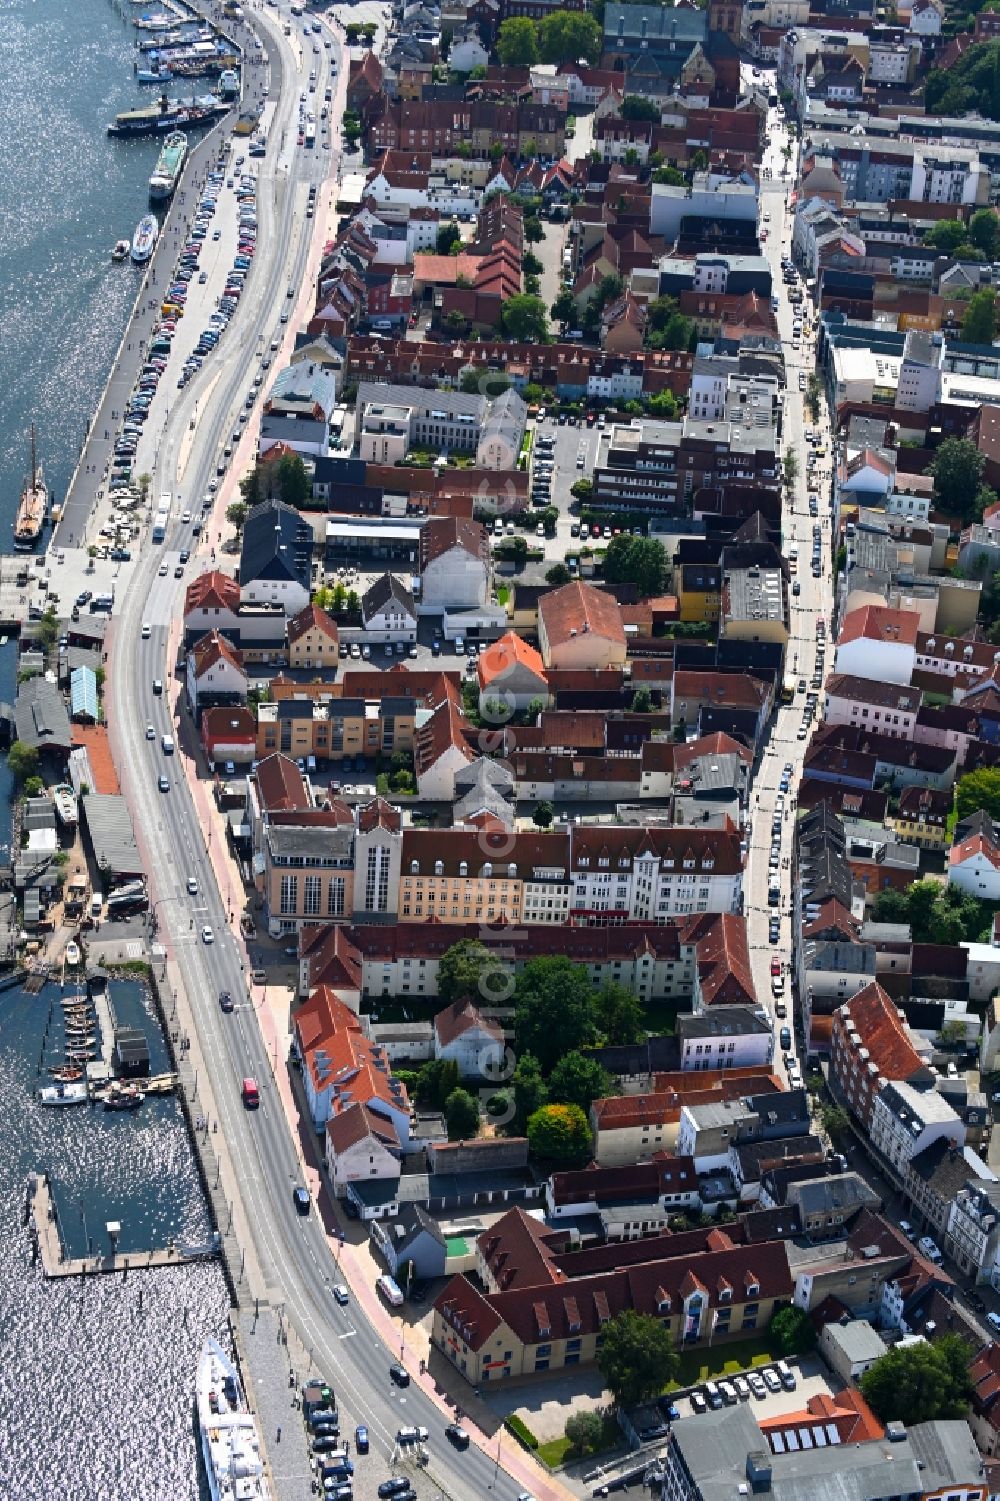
(215, 648)
(663, 1105)
(879, 623)
(446, 729)
(461, 1017)
(510, 651)
(312, 618)
(579, 608)
(280, 784)
(357, 1123)
(212, 591)
(442, 533)
(882, 1031)
(976, 844)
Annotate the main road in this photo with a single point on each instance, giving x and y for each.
(289, 1257)
(812, 604)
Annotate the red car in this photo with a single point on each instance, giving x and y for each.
(776, 966)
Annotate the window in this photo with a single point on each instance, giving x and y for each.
(312, 896)
(335, 898)
(289, 895)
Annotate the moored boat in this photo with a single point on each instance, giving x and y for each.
(144, 238)
(72, 954)
(169, 166)
(33, 504)
(64, 798)
(123, 1097)
(230, 1443)
(121, 250)
(64, 1093)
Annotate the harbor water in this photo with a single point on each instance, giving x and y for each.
(68, 191)
(96, 1374)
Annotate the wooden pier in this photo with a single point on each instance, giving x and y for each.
(55, 1264)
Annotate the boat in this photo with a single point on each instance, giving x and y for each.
(123, 1097)
(121, 250)
(153, 75)
(144, 238)
(64, 798)
(167, 171)
(33, 504)
(230, 1442)
(72, 954)
(64, 1093)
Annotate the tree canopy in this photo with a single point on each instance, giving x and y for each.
(461, 1113)
(523, 316)
(793, 1330)
(530, 1092)
(638, 560)
(579, 1080)
(979, 790)
(517, 42)
(564, 307)
(469, 971)
(969, 86)
(22, 759)
(284, 479)
(666, 326)
(958, 470)
(554, 1008)
(637, 1358)
(435, 1082)
(565, 36)
(919, 1383)
(619, 1014)
(984, 232)
(979, 326)
(559, 1134)
(638, 107)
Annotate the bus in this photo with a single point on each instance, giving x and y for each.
(310, 135)
(162, 518)
(788, 689)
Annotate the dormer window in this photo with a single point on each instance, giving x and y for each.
(439, 867)
(725, 1295)
(583, 861)
(512, 871)
(603, 861)
(463, 867)
(488, 868)
(623, 863)
(414, 867)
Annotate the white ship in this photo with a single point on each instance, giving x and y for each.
(230, 1443)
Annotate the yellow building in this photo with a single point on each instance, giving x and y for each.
(699, 591)
(313, 639)
(922, 817)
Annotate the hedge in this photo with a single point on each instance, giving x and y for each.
(521, 1431)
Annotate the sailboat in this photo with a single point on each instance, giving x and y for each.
(33, 505)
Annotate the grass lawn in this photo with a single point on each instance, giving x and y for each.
(722, 1360)
(559, 1451)
(503, 594)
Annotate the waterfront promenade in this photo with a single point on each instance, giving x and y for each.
(88, 481)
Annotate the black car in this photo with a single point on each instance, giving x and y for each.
(225, 1001)
(399, 1374)
(325, 1442)
(458, 1436)
(301, 1200)
(394, 1487)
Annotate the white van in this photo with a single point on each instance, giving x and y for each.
(167, 742)
(390, 1291)
(929, 1249)
(96, 904)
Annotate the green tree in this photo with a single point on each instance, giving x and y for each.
(637, 1358)
(558, 575)
(790, 467)
(565, 36)
(543, 814)
(48, 629)
(554, 1009)
(958, 470)
(534, 230)
(585, 1430)
(579, 1080)
(559, 1134)
(34, 787)
(664, 404)
(984, 232)
(467, 972)
(236, 515)
(920, 1383)
(978, 790)
(836, 1122)
(530, 1091)
(523, 317)
(447, 236)
(979, 326)
(435, 1082)
(582, 489)
(294, 484)
(22, 760)
(461, 1113)
(946, 235)
(517, 43)
(793, 1330)
(670, 176)
(638, 560)
(642, 701)
(638, 107)
(618, 1014)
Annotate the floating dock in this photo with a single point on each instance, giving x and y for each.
(50, 1247)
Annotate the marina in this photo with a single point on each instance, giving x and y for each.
(55, 1263)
